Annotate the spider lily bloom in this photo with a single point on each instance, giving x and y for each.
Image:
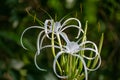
(73, 48)
(48, 28)
(58, 30)
(51, 27)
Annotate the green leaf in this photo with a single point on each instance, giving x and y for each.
(100, 47)
(89, 61)
(101, 42)
(34, 16)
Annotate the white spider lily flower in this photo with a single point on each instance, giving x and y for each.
(59, 28)
(42, 47)
(51, 27)
(55, 46)
(73, 48)
(48, 28)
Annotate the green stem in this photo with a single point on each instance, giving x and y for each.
(53, 49)
(100, 47)
(59, 41)
(70, 66)
(60, 44)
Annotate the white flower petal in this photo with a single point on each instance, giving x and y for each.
(92, 49)
(35, 61)
(35, 57)
(21, 39)
(90, 58)
(64, 36)
(75, 19)
(70, 19)
(99, 63)
(54, 65)
(38, 41)
(97, 55)
(50, 46)
(75, 26)
(46, 25)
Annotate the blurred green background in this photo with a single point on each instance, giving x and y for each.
(18, 64)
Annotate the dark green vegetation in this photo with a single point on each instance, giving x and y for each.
(17, 64)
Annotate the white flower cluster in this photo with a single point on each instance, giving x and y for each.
(71, 47)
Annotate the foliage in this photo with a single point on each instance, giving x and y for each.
(17, 64)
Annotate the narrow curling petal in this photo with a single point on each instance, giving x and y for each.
(35, 61)
(89, 42)
(38, 41)
(64, 36)
(90, 58)
(99, 63)
(54, 65)
(21, 39)
(39, 44)
(70, 19)
(94, 50)
(75, 19)
(50, 46)
(75, 26)
(46, 25)
(35, 57)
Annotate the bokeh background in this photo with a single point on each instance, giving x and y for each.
(18, 64)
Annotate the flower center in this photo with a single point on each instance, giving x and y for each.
(57, 26)
(72, 47)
